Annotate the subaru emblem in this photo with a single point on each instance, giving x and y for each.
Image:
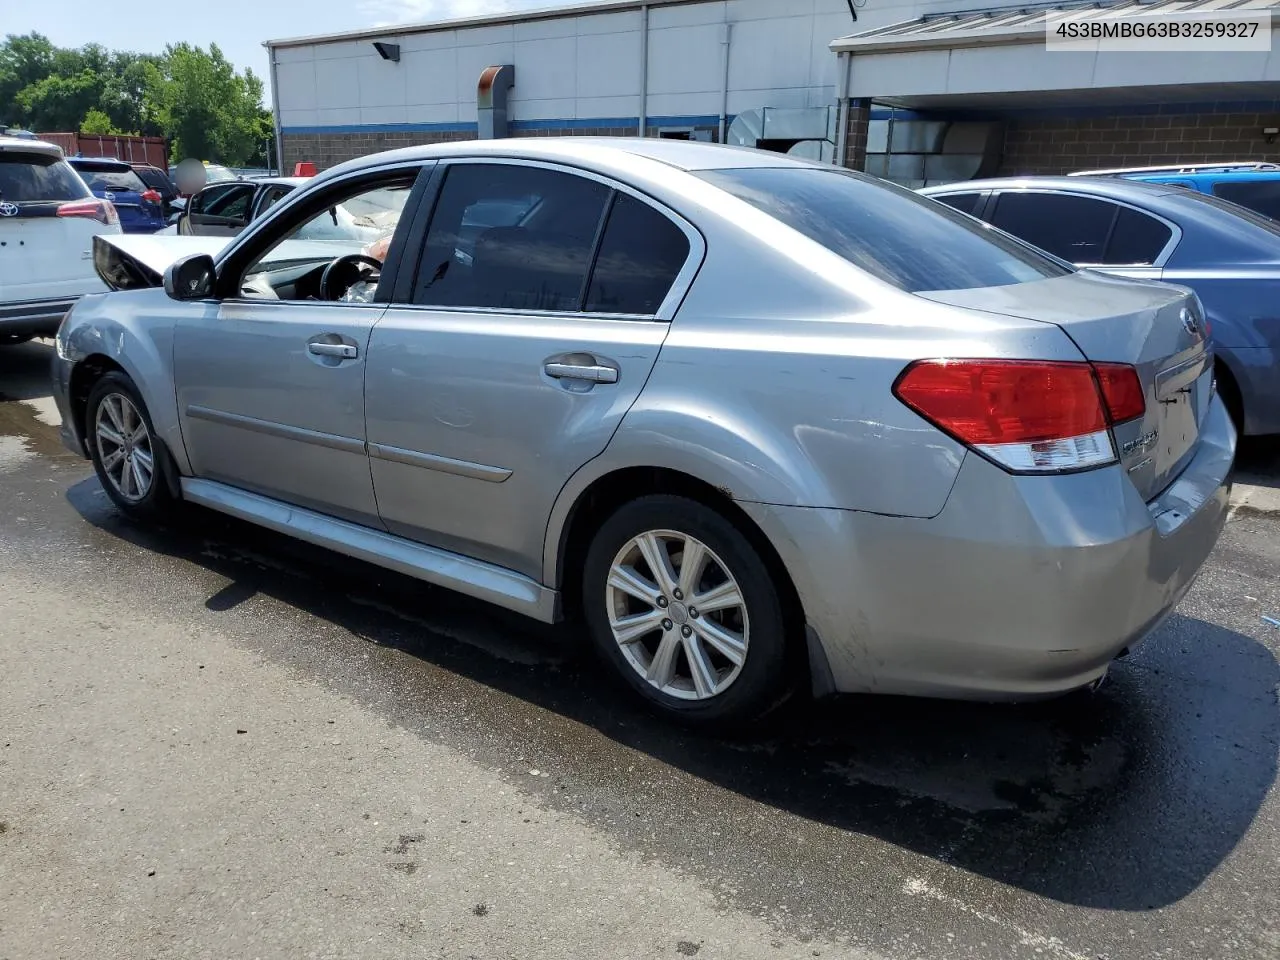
(8, 209)
(1189, 322)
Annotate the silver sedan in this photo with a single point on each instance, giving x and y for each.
(763, 425)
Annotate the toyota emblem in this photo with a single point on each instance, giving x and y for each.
(8, 209)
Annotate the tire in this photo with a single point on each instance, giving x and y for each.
(115, 401)
(1230, 393)
(723, 694)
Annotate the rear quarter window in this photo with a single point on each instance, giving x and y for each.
(892, 233)
(37, 177)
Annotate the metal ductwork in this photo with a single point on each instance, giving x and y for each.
(921, 153)
(491, 100)
(802, 132)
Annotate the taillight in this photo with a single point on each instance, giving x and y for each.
(1121, 391)
(1026, 415)
(152, 196)
(104, 211)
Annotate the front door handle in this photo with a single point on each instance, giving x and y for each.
(589, 372)
(343, 351)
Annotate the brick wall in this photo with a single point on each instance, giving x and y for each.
(857, 122)
(329, 149)
(1060, 145)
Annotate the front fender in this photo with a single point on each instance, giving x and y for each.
(131, 329)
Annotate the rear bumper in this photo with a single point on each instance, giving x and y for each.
(1022, 587)
(38, 318)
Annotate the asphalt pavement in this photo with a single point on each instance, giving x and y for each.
(218, 742)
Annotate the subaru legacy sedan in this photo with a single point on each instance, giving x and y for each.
(761, 424)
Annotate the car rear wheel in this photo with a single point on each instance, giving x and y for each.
(129, 460)
(682, 606)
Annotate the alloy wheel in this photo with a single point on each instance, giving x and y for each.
(678, 614)
(124, 447)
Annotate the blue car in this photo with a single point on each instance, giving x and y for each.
(1252, 185)
(141, 209)
(1227, 254)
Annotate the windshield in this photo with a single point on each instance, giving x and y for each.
(1236, 210)
(360, 224)
(912, 242)
(216, 174)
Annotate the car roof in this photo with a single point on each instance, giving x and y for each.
(25, 145)
(1118, 188)
(599, 152)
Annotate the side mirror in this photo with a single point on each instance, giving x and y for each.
(190, 278)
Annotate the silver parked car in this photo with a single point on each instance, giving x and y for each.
(756, 420)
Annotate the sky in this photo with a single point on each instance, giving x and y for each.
(239, 27)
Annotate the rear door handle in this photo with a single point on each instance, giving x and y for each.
(591, 373)
(343, 351)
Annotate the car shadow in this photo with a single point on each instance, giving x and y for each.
(24, 370)
(1126, 799)
(1258, 461)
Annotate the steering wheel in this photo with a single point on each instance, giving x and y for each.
(343, 272)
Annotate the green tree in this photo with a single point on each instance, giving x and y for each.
(59, 102)
(95, 121)
(24, 60)
(205, 108)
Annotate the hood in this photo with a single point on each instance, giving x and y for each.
(131, 261)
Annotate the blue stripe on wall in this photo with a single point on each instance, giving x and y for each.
(575, 123)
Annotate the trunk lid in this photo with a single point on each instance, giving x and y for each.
(1156, 327)
(39, 249)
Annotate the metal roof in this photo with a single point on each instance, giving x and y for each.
(1025, 22)
(577, 8)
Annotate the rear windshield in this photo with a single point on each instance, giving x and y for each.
(28, 177)
(102, 177)
(1236, 210)
(912, 242)
(1260, 195)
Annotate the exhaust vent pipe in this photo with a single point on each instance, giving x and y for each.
(491, 100)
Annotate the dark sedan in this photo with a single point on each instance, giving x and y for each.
(1227, 254)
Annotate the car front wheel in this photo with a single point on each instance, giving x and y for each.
(127, 457)
(680, 603)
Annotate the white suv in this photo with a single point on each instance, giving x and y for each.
(48, 219)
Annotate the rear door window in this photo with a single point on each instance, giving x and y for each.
(892, 233)
(38, 177)
(1260, 195)
(1071, 227)
(510, 237)
(640, 256)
